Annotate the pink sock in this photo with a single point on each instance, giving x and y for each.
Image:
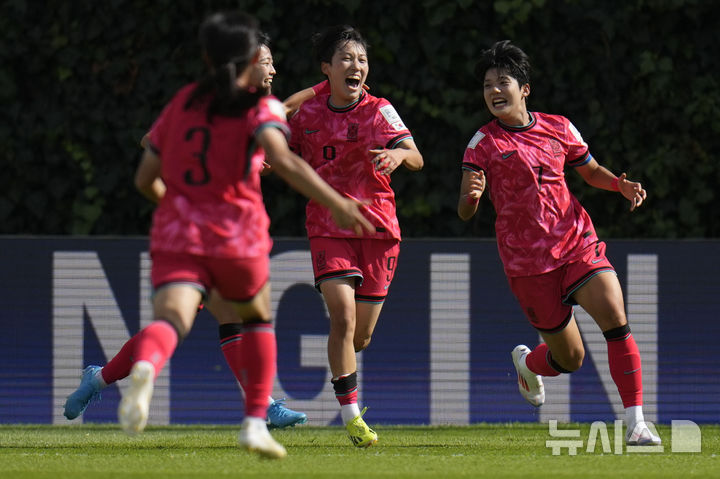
(231, 346)
(119, 366)
(258, 357)
(155, 344)
(538, 361)
(625, 369)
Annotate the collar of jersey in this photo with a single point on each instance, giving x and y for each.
(345, 108)
(533, 120)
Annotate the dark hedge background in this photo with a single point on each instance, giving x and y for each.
(80, 82)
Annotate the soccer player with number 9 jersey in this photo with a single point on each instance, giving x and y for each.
(551, 254)
(354, 141)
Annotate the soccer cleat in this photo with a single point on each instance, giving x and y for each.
(89, 390)
(640, 435)
(530, 384)
(359, 432)
(278, 416)
(135, 405)
(255, 437)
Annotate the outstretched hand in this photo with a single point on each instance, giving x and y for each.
(631, 190)
(348, 215)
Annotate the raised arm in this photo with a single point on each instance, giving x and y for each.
(598, 176)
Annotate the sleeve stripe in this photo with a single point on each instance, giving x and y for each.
(471, 167)
(274, 124)
(397, 140)
(582, 160)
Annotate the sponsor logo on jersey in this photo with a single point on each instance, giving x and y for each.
(392, 117)
(508, 154)
(475, 140)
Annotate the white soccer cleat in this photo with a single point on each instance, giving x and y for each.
(530, 384)
(255, 437)
(641, 435)
(135, 405)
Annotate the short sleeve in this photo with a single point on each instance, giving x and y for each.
(270, 113)
(390, 126)
(578, 152)
(473, 159)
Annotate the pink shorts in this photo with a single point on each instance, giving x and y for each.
(547, 298)
(371, 261)
(236, 279)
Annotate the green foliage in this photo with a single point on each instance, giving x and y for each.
(81, 82)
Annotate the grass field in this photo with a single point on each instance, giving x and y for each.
(484, 450)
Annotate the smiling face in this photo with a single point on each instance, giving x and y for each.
(263, 70)
(347, 71)
(505, 98)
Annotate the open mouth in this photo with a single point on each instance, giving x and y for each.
(499, 102)
(352, 82)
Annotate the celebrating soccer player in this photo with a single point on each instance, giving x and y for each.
(354, 141)
(551, 254)
(210, 228)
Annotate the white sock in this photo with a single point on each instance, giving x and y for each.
(633, 416)
(258, 421)
(348, 412)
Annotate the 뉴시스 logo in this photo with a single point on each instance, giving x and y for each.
(685, 437)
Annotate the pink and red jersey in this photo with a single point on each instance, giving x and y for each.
(540, 225)
(336, 143)
(213, 205)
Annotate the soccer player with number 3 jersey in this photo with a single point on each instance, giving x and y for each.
(354, 141)
(550, 252)
(210, 228)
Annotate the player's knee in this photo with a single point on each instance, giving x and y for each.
(361, 343)
(342, 326)
(574, 360)
(569, 361)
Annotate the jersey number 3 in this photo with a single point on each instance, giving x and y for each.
(204, 175)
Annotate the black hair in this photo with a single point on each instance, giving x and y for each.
(229, 41)
(504, 56)
(263, 39)
(331, 38)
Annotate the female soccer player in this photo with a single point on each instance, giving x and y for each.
(551, 254)
(210, 229)
(230, 327)
(354, 141)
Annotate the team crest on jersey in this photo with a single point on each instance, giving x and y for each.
(476, 139)
(352, 132)
(556, 148)
(392, 117)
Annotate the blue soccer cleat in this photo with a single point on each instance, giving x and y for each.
(279, 416)
(89, 390)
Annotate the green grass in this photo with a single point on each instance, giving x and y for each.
(483, 450)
